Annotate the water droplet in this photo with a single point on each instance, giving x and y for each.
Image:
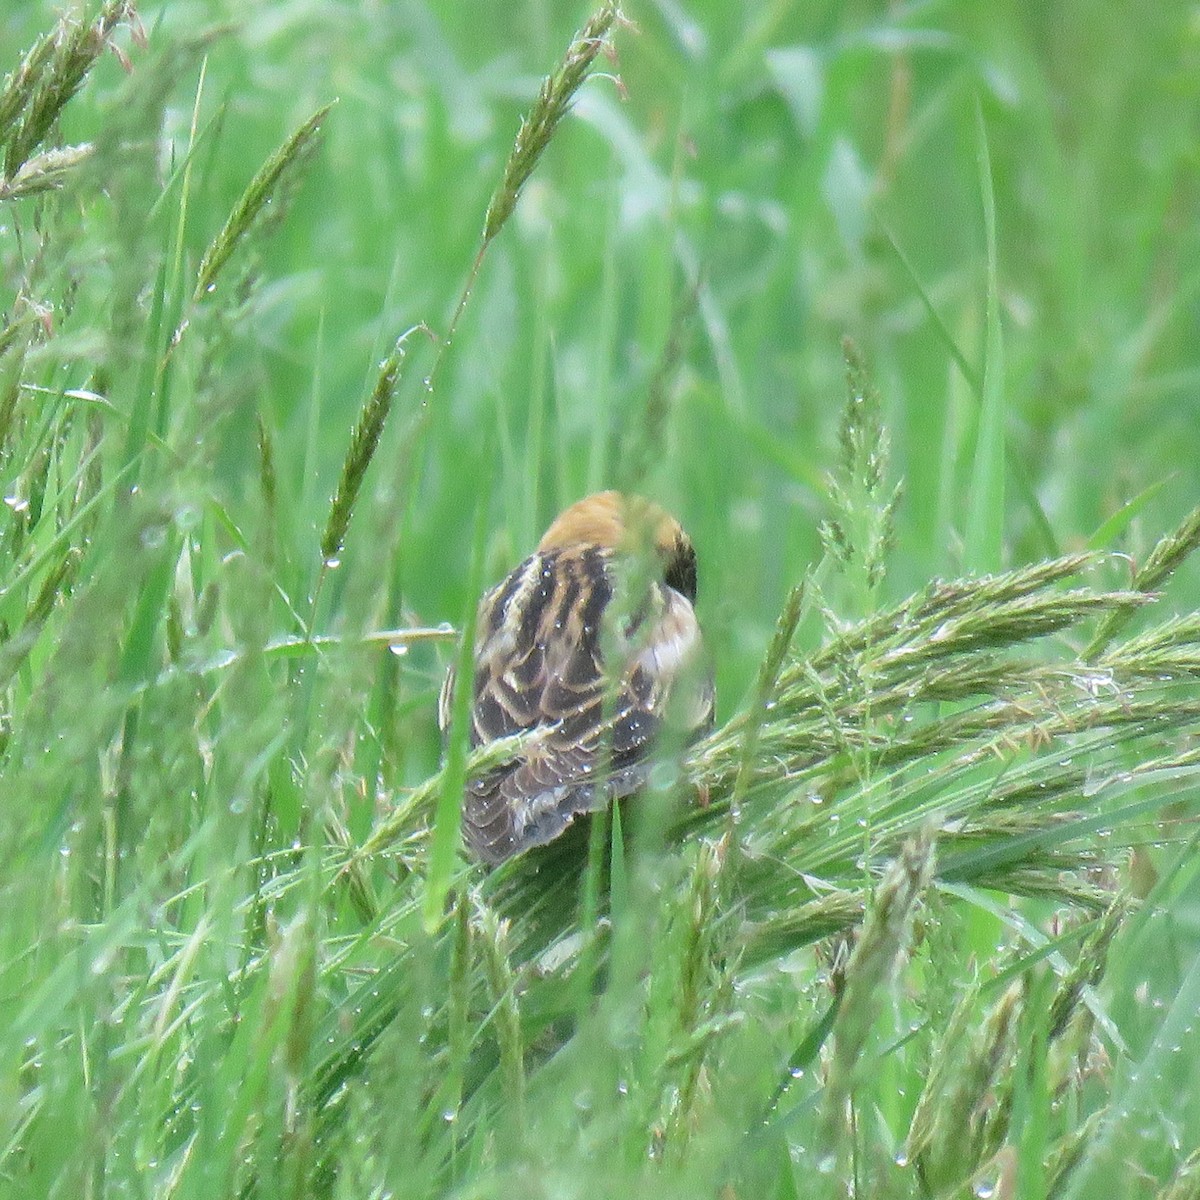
(187, 517)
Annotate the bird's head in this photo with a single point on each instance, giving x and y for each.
(629, 524)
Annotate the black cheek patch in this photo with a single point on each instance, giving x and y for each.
(681, 571)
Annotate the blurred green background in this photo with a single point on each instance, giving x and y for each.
(792, 158)
(780, 174)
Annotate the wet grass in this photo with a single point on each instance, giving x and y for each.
(281, 384)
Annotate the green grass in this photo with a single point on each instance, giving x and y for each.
(286, 375)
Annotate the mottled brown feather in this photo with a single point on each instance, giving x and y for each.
(539, 667)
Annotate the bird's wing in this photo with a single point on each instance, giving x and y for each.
(539, 667)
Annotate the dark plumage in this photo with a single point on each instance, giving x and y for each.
(540, 664)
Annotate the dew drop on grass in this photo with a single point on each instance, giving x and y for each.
(399, 649)
(187, 517)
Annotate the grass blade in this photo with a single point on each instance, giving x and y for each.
(985, 517)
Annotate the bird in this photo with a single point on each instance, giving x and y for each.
(592, 645)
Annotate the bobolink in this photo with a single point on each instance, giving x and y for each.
(555, 655)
